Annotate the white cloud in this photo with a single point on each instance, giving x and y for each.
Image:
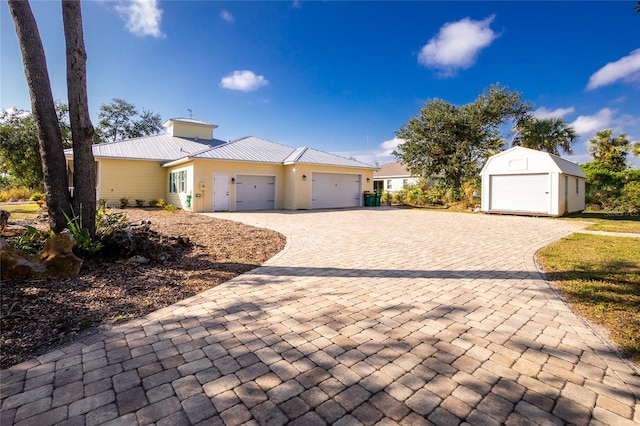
(244, 81)
(389, 146)
(142, 17)
(226, 16)
(457, 45)
(626, 68)
(586, 125)
(543, 112)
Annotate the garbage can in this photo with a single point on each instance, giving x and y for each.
(369, 199)
(378, 196)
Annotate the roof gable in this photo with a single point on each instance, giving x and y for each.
(518, 159)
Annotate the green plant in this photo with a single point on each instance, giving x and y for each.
(107, 221)
(86, 246)
(124, 202)
(170, 208)
(157, 202)
(37, 196)
(139, 203)
(32, 240)
(102, 203)
(15, 193)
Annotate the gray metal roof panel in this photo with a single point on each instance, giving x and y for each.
(315, 156)
(157, 147)
(249, 148)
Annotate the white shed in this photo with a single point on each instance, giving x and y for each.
(525, 181)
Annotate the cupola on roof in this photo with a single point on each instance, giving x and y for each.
(190, 128)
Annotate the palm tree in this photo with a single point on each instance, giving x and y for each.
(608, 151)
(545, 134)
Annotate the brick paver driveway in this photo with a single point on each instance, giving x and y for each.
(372, 316)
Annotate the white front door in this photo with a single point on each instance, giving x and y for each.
(220, 192)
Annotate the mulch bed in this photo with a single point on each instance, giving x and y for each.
(37, 316)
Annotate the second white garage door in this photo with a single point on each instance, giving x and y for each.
(255, 192)
(335, 190)
(520, 193)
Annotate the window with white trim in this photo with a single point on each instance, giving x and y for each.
(389, 184)
(178, 182)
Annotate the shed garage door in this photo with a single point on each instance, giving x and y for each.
(335, 190)
(520, 193)
(255, 192)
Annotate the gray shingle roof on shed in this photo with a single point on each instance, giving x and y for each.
(161, 147)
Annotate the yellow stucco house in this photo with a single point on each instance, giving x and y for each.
(190, 169)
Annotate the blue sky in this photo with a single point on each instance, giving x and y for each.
(344, 76)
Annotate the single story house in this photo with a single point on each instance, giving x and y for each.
(190, 169)
(525, 181)
(392, 177)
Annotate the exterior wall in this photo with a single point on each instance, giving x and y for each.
(575, 201)
(397, 183)
(133, 179)
(187, 130)
(300, 189)
(204, 170)
(180, 199)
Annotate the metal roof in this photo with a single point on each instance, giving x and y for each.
(171, 149)
(248, 148)
(162, 147)
(315, 156)
(255, 149)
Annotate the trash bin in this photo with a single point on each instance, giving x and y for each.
(369, 199)
(378, 197)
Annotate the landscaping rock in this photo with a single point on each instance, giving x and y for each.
(56, 260)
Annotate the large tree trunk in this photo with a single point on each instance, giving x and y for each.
(84, 178)
(54, 167)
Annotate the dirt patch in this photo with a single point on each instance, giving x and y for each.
(186, 253)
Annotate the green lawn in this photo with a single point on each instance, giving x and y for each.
(611, 222)
(600, 278)
(21, 211)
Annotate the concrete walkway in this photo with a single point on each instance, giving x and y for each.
(372, 316)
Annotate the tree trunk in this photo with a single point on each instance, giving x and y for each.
(84, 178)
(54, 167)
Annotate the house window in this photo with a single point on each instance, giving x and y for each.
(405, 182)
(577, 186)
(178, 182)
(389, 184)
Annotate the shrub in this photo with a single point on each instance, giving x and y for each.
(139, 203)
(170, 208)
(37, 196)
(124, 202)
(157, 202)
(16, 193)
(102, 203)
(107, 221)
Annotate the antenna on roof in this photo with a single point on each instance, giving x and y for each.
(190, 112)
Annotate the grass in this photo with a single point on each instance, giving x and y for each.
(22, 211)
(610, 222)
(600, 278)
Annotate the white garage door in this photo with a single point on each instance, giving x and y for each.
(255, 192)
(335, 190)
(520, 193)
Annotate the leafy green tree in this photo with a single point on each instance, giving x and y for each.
(636, 149)
(608, 152)
(454, 142)
(547, 134)
(19, 146)
(118, 121)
